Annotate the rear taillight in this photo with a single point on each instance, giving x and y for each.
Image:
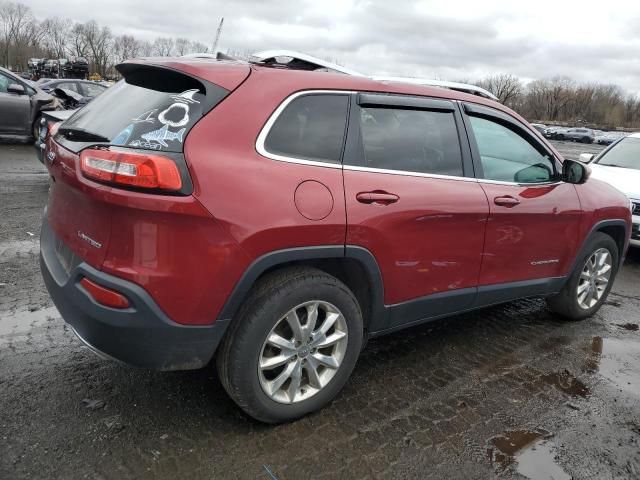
(132, 169)
(52, 128)
(103, 295)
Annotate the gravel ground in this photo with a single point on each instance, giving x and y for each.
(505, 392)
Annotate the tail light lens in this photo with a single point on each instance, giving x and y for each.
(104, 295)
(131, 169)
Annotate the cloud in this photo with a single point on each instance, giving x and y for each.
(449, 40)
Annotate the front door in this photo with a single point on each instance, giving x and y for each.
(532, 232)
(15, 109)
(413, 203)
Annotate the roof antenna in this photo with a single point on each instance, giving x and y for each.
(215, 42)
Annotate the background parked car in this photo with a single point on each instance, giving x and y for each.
(619, 165)
(21, 105)
(539, 127)
(85, 88)
(583, 135)
(550, 132)
(607, 138)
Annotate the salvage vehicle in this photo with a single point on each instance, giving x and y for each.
(583, 135)
(276, 219)
(86, 88)
(619, 165)
(21, 105)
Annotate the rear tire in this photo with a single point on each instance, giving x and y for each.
(584, 294)
(245, 357)
(560, 137)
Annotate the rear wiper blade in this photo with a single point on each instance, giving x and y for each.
(81, 135)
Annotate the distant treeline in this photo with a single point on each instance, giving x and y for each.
(563, 100)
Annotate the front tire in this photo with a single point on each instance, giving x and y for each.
(591, 281)
(293, 345)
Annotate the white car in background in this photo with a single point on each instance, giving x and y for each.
(619, 165)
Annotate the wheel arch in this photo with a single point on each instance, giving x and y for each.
(616, 229)
(355, 266)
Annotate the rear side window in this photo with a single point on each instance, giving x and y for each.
(418, 141)
(152, 111)
(311, 127)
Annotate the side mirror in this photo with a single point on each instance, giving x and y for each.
(575, 172)
(586, 157)
(16, 88)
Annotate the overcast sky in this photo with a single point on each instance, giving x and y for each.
(449, 40)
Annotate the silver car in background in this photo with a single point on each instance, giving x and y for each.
(21, 105)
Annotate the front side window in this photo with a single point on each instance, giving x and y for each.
(420, 141)
(506, 156)
(311, 127)
(4, 83)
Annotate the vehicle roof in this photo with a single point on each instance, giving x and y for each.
(634, 135)
(215, 70)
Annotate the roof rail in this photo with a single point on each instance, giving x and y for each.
(301, 61)
(461, 87)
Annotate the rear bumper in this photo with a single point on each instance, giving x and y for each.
(141, 335)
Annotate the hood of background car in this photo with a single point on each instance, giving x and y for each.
(627, 180)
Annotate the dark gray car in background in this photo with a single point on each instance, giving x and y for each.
(21, 105)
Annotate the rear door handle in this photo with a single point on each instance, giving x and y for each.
(506, 201)
(377, 197)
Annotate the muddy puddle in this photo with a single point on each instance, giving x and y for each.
(618, 361)
(19, 324)
(531, 452)
(566, 383)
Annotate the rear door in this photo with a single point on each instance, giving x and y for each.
(532, 232)
(413, 203)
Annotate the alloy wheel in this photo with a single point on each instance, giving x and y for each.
(302, 352)
(594, 278)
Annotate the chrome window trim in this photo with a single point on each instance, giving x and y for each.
(537, 184)
(264, 133)
(407, 173)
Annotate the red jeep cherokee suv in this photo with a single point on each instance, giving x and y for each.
(278, 218)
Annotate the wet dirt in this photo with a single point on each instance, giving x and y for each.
(566, 383)
(421, 404)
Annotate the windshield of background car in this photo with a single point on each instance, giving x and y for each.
(625, 154)
(139, 116)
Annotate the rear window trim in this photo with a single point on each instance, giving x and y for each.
(264, 133)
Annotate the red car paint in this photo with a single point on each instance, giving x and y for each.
(440, 235)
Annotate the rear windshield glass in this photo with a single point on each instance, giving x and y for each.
(141, 117)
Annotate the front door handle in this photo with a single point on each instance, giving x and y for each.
(377, 197)
(506, 201)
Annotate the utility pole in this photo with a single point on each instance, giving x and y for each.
(215, 43)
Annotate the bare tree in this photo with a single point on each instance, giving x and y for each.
(55, 32)
(163, 47)
(99, 42)
(17, 24)
(507, 88)
(77, 45)
(182, 46)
